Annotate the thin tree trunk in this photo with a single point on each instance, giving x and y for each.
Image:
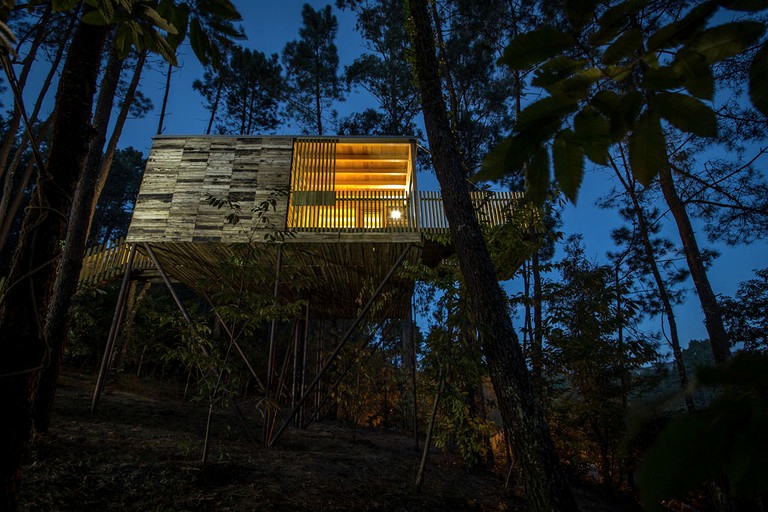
(713, 318)
(216, 100)
(13, 124)
(25, 303)
(18, 197)
(430, 430)
(537, 343)
(9, 208)
(72, 254)
(661, 287)
(165, 99)
(539, 466)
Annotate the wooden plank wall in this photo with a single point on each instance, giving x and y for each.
(182, 171)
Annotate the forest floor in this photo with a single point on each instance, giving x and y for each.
(141, 451)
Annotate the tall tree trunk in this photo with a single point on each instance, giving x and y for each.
(25, 303)
(65, 285)
(539, 466)
(527, 319)
(713, 318)
(16, 199)
(318, 106)
(443, 66)
(122, 116)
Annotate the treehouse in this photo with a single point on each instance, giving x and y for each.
(345, 211)
(324, 220)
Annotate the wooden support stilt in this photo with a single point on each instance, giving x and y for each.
(430, 429)
(413, 379)
(305, 348)
(268, 414)
(113, 330)
(295, 350)
(239, 349)
(169, 285)
(343, 342)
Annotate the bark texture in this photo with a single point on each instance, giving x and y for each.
(23, 349)
(713, 317)
(65, 286)
(539, 468)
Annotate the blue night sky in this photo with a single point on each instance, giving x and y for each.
(270, 25)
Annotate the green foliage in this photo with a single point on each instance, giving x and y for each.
(452, 347)
(626, 83)
(568, 160)
(726, 438)
(248, 86)
(746, 314)
(452, 354)
(758, 77)
(647, 148)
(88, 325)
(211, 29)
(262, 215)
(381, 72)
(593, 348)
(532, 48)
(209, 23)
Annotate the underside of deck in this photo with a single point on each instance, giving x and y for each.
(335, 278)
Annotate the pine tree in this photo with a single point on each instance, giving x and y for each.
(311, 65)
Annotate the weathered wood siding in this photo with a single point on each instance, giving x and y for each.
(183, 171)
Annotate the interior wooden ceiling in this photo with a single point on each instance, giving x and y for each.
(372, 166)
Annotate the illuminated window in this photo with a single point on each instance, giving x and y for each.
(350, 184)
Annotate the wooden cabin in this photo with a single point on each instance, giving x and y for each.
(343, 209)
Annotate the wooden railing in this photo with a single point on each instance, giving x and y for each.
(104, 262)
(355, 212)
(107, 261)
(491, 208)
(393, 211)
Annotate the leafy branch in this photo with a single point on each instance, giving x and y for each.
(632, 84)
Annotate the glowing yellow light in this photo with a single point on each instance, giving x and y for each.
(395, 214)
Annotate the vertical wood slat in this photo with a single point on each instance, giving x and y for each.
(108, 260)
(490, 210)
